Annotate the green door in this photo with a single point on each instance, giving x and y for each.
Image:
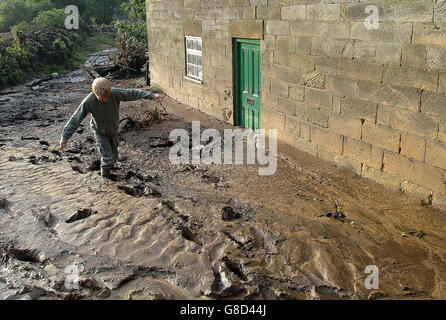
(247, 77)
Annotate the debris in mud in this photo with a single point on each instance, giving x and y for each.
(129, 175)
(268, 240)
(93, 288)
(149, 191)
(56, 152)
(404, 287)
(126, 124)
(3, 202)
(44, 143)
(75, 158)
(189, 167)
(235, 266)
(136, 191)
(81, 214)
(40, 160)
(187, 234)
(78, 169)
(160, 142)
(44, 216)
(375, 295)
(74, 150)
(235, 210)
(228, 214)
(95, 165)
(419, 234)
(209, 178)
(139, 191)
(241, 240)
(241, 207)
(337, 215)
(90, 139)
(37, 82)
(114, 177)
(29, 138)
(145, 120)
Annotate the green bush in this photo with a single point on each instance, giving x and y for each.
(13, 12)
(36, 49)
(9, 66)
(132, 31)
(45, 45)
(131, 40)
(51, 18)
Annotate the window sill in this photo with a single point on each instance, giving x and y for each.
(194, 81)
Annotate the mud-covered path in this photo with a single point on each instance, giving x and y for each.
(156, 231)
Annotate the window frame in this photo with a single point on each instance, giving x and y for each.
(196, 53)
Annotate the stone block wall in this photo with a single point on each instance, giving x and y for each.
(372, 101)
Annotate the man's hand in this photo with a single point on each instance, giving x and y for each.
(63, 145)
(159, 97)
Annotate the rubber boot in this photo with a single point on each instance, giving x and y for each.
(105, 173)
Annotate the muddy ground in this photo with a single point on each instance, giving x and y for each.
(156, 231)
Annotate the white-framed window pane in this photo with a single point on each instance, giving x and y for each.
(194, 60)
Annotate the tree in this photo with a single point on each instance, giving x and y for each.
(13, 12)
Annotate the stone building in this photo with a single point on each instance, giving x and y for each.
(362, 93)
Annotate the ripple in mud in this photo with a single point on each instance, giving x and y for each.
(81, 214)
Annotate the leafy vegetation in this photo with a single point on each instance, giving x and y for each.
(420, 234)
(13, 12)
(9, 66)
(50, 18)
(37, 49)
(43, 45)
(131, 39)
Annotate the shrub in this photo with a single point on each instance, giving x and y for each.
(13, 12)
(9, 66)
(51, 18)
(131, 40)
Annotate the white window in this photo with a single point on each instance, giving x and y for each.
(194, 58)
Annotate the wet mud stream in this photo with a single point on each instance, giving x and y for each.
(164, 231)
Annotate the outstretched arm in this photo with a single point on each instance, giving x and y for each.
(74, 123)
(135, 94)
